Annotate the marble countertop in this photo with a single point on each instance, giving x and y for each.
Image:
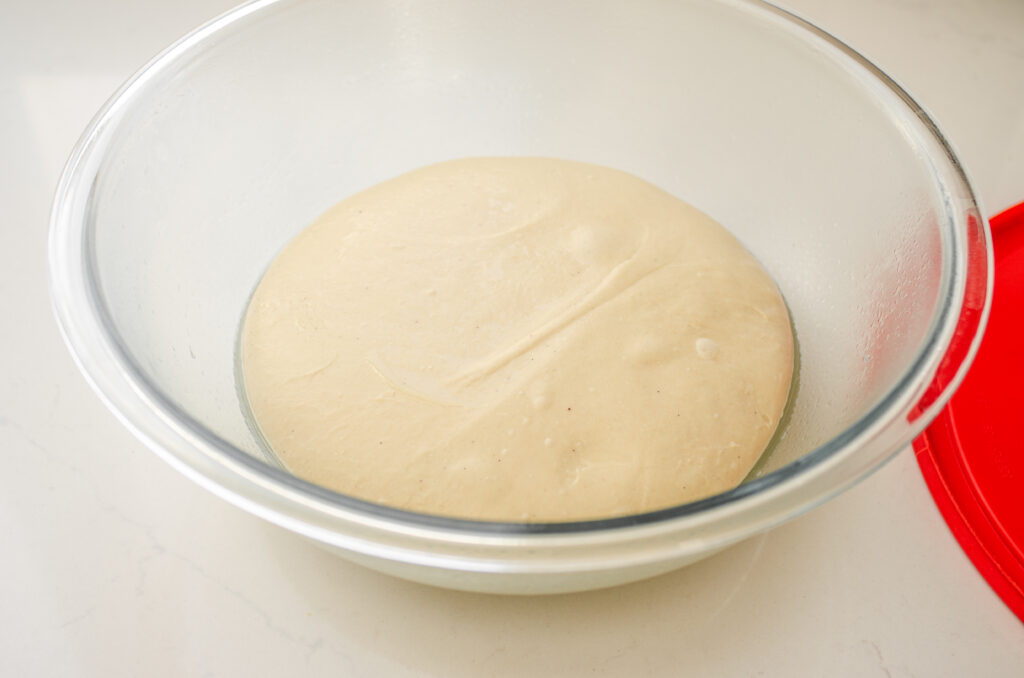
(115, 565)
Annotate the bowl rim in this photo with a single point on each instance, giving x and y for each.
(397, 534)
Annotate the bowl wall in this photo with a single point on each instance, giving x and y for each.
(234, 140)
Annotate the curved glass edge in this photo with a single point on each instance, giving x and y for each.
(309, 509)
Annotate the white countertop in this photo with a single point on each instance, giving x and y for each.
(114, 565)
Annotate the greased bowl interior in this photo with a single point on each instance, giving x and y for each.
(214, 155)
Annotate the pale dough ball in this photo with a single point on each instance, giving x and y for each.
(518, 339)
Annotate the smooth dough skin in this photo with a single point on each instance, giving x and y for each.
(517, 339)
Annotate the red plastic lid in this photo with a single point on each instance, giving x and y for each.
(972, 455)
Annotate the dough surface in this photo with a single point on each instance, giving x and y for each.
(517, 339)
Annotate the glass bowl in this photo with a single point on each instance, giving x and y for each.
(220, 150)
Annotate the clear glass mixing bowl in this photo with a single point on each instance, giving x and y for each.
(219, 151)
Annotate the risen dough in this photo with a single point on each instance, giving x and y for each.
(517, 339)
